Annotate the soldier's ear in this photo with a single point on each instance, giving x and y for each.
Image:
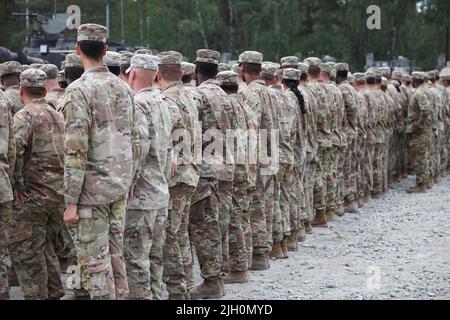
(105, 49)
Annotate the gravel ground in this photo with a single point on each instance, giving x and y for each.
(395, 248)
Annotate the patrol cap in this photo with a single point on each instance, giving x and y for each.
(208, 56)
(33, 78)
(359, 77)
(341, 67)
(418, 75)
(289, 62)
(144, 51)
(253, 57)
(73, 61)
(92, 32)
(35, 65)
(396, 75)
(292, 74)
(224, 67)
(303, 67)
(385, 71)
(432, 75)
(170, 57)
(445, 74)
(384, 81)
(10, 67)
(50, 70)
(144, 61)
(236, 68)
(24, 67)
(312, 62)
(112, 59)
(349, 77)
(370, 74)
(125, 58)
(227, 78)
(269, 69)
(406, 78)
(187, 68)
(325, 68)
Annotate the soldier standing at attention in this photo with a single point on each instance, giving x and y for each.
(10, 79)
(54, 91)
(101, 159)
(7, 162)
(39, 138)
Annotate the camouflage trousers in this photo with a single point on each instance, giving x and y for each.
(5, 263)
(63, 244)
(359, 156)
(277, 220)
(320, 179)
(350, 169)
(297, 198)
(419, 153)
(282, 219)
(239, 250)
(32, 252)
(378, 167)
(225, 213)
(394, 154)
(143, 230)
(332, 161)
(435, 155)
(386, 162)
(80, 280)
(404, 153)
(204, 229)
(178, 274)
(308, 183)
(365, 172)
(342, 151)
(443, 151)
(100, 232)
(261, 213)
(247, 223)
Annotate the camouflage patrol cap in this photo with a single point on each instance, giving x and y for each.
(377, 73)
(50, 70)
(333, 74)
(418, 75)
(170, 57)
(341, 67)
(92, 32)
(253, 57)
(303, 67)
(396, 83)
(292, 74)
(359, 77)
(396, 75)
(112, 59)
(10, 67)
(236, 68)
(349, 76)
(370, 74)
(73, 61)
(125, 58)
(384, 81)
(144, 51)
(289, 62)
(406, 77)
(331, 64)
(227, 78)
(385, 71)
(35, 65)
(433, 74)
(188, 68)
(34, 78)
(144, 61)
(312, 62)
(208, 56)
(269, 69)
(445, 74)
(25, 67)
(325, 68)
(224, 67)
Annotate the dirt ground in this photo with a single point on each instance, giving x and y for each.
(397, 247)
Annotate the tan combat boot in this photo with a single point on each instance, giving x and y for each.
(360, 201)
(340, 211)
(259, 262)
(276, 252)
(367, 198)
(209, 289)
(417, 189)
(301, 234)
(236, 277)
(291, 242)
(351, 207)
(308, 228)
(429, 184)
(331, 214)
(436, 180)
(284, 248)
(320, 219)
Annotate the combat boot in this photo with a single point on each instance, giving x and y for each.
(420, 188)
(276, 252)
(367, 198)
(351, 207)
(222, 286)
(291, 242)
(301, 234)
(320, 219)
(331, 214)
(377, 196)
(284, 249)
(429, 184)
(340, 211)
(209, 289)
(360, 201)
(308, 228)
(436, 180)
(236, 277)
(259, 262)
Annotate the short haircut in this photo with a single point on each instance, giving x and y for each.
(34, 92)
(187, 78)
(114, 70)
(252, 68)
(73, 73)
(370, 81)
(304, 77)
(418, 81)
(378, 80)
(230, 88)
(10, 77)
(342, 74)
(208, 70)
(314, 71)
(123, 70)
(170, 72)
(92, 49)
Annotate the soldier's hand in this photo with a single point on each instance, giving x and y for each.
(71, 214)
(20, 197)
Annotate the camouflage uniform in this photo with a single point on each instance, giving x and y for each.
(7, 162)
(39, 143)
(53, 97)
(12, 93)
(101, 159)
(419, 131)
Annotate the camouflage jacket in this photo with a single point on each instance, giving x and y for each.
(154, 122)
(322, 114)
(54, 96)
(7, 150)
(215, 118)
(420, 113)
(300, 139)
(363, 116)
(380, 115)
(350, 97)
(308, 120)
(439, 101)
(338, 122)
(101, 140)
(185, 128)
(39, 166)
(12, 93)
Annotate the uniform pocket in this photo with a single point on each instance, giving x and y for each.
(19, 231)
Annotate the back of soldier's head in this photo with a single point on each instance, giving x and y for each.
(91, 40)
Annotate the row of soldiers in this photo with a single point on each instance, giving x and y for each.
(132, 163)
